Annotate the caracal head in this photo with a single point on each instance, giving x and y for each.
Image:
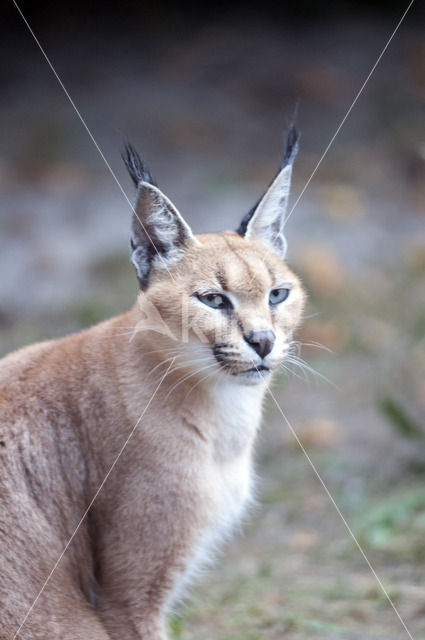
(227, 303)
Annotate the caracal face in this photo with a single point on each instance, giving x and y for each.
(232, 306)
(229, 300)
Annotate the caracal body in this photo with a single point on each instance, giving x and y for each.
(167, 411)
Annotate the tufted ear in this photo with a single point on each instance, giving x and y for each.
(159, 234)
(266, 220)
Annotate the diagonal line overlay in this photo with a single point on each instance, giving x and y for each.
(337, 509)
(92, 501)
(385, 592)
(83, 122)
(341, 124)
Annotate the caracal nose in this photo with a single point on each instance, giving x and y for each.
(261, 341)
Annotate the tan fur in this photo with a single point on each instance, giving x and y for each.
(66, 408)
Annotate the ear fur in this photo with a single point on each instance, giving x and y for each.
(266, 220)
(159, 232)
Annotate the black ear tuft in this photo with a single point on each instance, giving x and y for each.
(291, 146)
(137, 169)
(241, 230)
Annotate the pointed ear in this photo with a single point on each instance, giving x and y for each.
(266, 220)
(159, 234)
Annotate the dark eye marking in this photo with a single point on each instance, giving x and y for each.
(221, 279)
(215, 300)
(277, 296)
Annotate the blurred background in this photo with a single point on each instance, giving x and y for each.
(206, 95)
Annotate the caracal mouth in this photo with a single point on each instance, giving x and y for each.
(257, 369)
(253, 375)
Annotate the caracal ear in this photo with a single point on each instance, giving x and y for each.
(266, 220)
(159, 234)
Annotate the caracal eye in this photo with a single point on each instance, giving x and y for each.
(278, 295)
(215, 300)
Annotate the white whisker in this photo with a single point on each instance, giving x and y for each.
(194, 373)
(314, 343)
(186, 363)
(209, 375)
(299, 362)
(292, 372)
(163, 362)
(117, 335)
(166, 350)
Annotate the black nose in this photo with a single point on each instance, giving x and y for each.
(261, 341)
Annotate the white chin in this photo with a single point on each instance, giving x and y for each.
(252, 377)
